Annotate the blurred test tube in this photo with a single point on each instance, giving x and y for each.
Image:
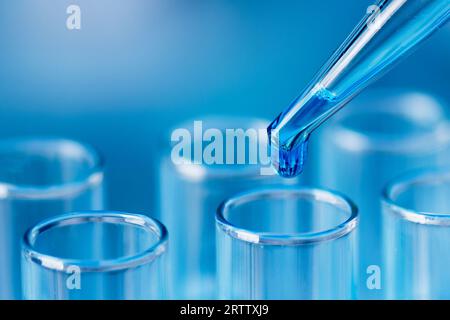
(195, 183)
(40, 178)
(382, 133)
(416, 209)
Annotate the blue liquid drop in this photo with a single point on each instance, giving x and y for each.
(291, 161)
(289, 139)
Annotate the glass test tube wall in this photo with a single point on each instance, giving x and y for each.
(379, 135)
(416, 210)
(281, 243)
(120, 256)
(191, 192)
(40, 178)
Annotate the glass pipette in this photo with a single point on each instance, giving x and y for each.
(389, 30)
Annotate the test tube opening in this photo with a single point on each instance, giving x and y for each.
(111, 241)
(287, 216)
(420, 196)
(416, 217)
(392, 121)
(40, 168)
(241, 151)
(286, 243)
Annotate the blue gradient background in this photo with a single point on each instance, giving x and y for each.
(138, 67)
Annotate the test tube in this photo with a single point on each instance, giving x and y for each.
(192, 188)
(287, 243)
(416, 207)
(380, 135)
(40, 178)
(120, 256)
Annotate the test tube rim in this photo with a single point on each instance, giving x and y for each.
(59, 190)
(404, 181)
(289, 239)
(108, 265)
(225, 172)
(439, 132)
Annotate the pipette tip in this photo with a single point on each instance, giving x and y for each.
(288, 161)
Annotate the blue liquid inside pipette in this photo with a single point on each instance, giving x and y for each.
(380, 39)
(291, 161)
(291, 145)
